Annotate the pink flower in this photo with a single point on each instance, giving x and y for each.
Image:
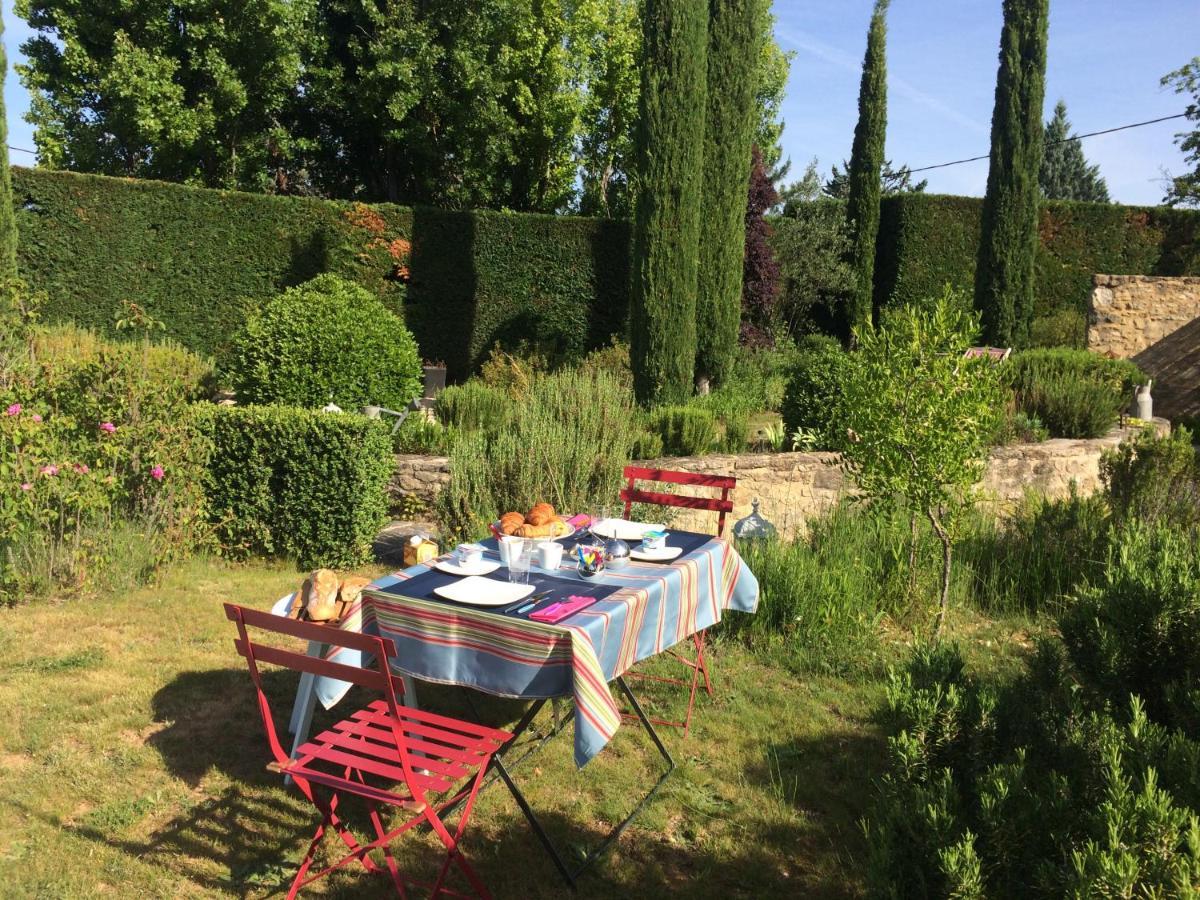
(157, 473)
(14, 410)
(37, 417)
(82, 468)
(108, 427)
(49, 470)
(26, 486)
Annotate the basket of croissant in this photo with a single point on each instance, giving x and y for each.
(540, 522)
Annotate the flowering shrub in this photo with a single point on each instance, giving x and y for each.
(97, 441)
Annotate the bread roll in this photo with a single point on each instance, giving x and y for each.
(541, 514)
(320, 591)
(552, 529)
(350, 589)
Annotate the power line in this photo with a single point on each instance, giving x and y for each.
(22, 150)
(1076, 137)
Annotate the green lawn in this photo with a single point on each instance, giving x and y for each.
(132, 764)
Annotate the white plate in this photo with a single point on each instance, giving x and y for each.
(561, 537)
(662, 554)
(626, 531)
(450, 567)
(484, 591)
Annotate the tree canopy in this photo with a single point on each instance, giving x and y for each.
(1065, 173)
(1184, 190)
(891, 181)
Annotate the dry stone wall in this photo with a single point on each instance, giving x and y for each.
(1156, 323)
(795, 487)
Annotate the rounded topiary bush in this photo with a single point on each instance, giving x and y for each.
(814, 386)
(327, 339)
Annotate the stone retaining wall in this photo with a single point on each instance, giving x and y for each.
(795, 487)
(1156, 323)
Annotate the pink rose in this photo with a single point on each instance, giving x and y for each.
(108, 427)
(26, 486)
(82, 468)
(14, 410)
(37, 417)
(49, 470)
(157, 473)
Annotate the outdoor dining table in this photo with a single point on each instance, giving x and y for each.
(642, 609)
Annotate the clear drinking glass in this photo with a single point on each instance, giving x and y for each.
(519, 557)
(597, 513)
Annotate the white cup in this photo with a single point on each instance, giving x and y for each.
(549, 554)
(468, 554)
(507, 544)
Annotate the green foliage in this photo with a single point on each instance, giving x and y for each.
(475, 406)
(866, 162)
(929, 241)
(1074, 393)
(420, 435)
(685, 430)
(1004, 275)
(814, 391)
(294, 483)
(1061, 328)
(666, 227)
(1065, 173)
(812, 243)
(891, 181)
(919, 418)
(1184, 189)
(100, 465)
(1137, 630)
(1154, 479)
(8, 224)
(734, 34)
(1019, 427)
(200, 261)
(573, 435)
(153, 91)
(328, 340)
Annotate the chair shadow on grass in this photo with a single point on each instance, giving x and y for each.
(247, 839)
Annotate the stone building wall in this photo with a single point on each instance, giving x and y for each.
(795, 487)
(1156, 323)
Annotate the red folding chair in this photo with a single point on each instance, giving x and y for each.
(370, 754)
(632, 494)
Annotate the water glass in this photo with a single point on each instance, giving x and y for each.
(597, 513)
(520, 554)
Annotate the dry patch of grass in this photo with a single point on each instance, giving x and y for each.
(132, 764)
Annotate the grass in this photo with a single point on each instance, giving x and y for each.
(132, 764)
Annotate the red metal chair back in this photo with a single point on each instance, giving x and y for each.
(632, 494)
(378, 678)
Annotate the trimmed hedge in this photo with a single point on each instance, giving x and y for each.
(927, 241)
(289, 482)
(197, 259)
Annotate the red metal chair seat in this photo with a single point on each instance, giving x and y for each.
(418, 763)
(722, 505)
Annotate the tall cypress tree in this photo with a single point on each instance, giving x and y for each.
(8, 221)
(1008, 242)
(734, 45)
(666, 226)
(866, 162)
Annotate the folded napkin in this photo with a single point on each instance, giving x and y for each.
(556, 612)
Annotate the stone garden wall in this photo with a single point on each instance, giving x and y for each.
(795, 487)
(1156, 323)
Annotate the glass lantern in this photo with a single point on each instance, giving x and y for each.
(754, 527)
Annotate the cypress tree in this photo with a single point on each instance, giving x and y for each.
(1065, 173)
(666, 225)
(1008, 240)
(866, 163)
(8, 221)
(734, 46)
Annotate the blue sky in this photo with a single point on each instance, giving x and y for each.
(1106, 58)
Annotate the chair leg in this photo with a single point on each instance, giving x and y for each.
(453, 853)
(308, 857)
(698, 639)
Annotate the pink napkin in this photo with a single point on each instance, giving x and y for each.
(556, 612)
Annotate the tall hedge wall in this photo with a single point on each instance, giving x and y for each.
(927, 241)
(197, 259)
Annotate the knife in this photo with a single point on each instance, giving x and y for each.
(532, 599)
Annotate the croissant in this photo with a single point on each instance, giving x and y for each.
(540, 514)
(552, 529)
(510, 522)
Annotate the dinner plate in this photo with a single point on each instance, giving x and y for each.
(623, 529)
(477, 591)
(662, 554)
(450, 567)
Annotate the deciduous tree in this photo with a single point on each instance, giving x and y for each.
(760, 272)
(1184, 190)
(1004, 273)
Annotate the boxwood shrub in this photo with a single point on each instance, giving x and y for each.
(814, 387)
(326, 340)
(293, 483)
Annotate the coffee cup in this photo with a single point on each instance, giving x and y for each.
(549, 554)
(509, 544)
(468, 554)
